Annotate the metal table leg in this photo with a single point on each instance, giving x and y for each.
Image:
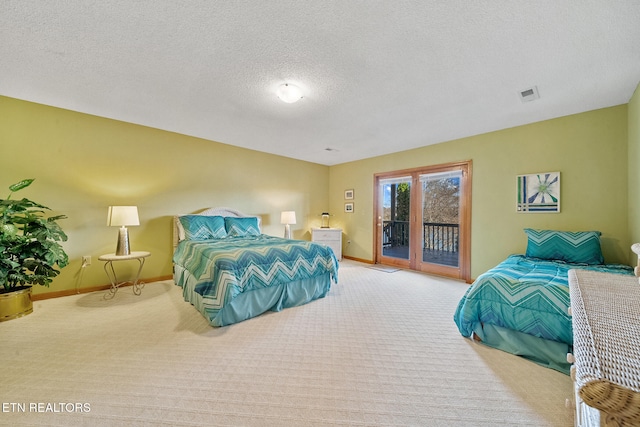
(111, 273)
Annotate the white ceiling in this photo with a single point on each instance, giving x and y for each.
(378, 76)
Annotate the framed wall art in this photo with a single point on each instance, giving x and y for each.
(348, 207)
(348, 194)
(538, 193)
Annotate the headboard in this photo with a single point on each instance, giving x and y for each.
(210, 212)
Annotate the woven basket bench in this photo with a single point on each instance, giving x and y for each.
(606, 345)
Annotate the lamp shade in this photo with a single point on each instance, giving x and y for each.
(122, 216)
(288, 217)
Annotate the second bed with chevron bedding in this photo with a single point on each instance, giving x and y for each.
(521, 305)
(231, 272)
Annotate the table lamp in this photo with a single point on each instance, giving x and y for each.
(325, 220)
(287, 218)
(121, 216)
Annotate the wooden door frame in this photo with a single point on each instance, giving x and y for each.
(463, 272)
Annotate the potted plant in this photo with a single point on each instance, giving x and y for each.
(29, 251)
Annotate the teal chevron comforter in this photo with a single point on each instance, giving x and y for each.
(221, 271)
(528, 295)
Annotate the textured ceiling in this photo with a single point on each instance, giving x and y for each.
(378, 76)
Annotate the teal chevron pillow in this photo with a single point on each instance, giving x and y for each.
(203, 227)
(580, 247)
(247, 226)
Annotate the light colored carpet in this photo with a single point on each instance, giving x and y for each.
(380, 350)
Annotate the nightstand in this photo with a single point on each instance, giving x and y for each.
(111, 273)
(331, 237)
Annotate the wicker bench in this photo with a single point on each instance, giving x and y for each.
(606, 335)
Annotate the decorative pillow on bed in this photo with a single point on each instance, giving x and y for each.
(580, 247)
(203, 227)
(247, 226)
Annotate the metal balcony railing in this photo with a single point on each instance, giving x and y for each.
(436, 236)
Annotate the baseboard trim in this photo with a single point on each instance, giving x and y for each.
(352, 258)
(68, 292)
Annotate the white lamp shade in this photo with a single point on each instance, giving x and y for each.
(122, 216)
(288, 217)
(289, 93)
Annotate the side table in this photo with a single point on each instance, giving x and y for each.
(111, 273)
(331, 237)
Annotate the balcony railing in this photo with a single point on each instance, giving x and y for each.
(436, 236)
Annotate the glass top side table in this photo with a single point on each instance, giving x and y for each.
(109, 259)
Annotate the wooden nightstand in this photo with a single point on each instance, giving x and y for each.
(111, 273)
(331, 237)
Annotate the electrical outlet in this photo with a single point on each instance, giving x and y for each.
(86, 260)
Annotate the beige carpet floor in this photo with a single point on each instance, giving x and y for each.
(380, 350)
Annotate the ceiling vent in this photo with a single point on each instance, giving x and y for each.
(530, 94)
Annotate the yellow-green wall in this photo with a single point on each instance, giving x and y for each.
(589, 149)
(634, 170)
(82, 164)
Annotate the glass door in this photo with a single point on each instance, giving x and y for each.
(394, 220)
(441, 219)
(423, 219)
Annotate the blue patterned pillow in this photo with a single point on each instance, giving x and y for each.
(242, 226)
(580, 247)
(203, 227)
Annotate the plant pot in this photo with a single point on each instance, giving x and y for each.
(16, 303)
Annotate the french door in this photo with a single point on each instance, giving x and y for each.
(423, 219)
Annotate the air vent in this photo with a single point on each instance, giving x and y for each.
(530, 94)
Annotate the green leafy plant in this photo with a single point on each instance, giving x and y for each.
(29, 243)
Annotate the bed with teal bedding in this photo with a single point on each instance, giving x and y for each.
(521, 305)
(231, 272)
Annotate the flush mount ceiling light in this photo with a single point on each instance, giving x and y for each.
(289, 93)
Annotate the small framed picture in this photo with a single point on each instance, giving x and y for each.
(348, 194)
(348, 207)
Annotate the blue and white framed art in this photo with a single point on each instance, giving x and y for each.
(539, 192)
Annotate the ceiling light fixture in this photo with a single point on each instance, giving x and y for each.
(289, 93)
